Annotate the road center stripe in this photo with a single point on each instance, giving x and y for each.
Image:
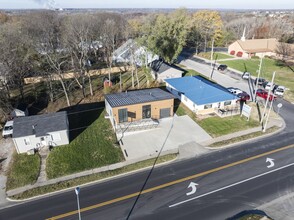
(170, 183)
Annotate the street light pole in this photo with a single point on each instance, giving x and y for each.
(77, 190)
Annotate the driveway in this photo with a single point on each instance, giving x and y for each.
(170, 134)
(6, 151)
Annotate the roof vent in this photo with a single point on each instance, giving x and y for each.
(33, 127)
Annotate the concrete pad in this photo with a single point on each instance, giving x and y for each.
(171, 132)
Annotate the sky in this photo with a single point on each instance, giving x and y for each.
(210, 4)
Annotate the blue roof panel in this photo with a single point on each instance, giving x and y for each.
(201, 91)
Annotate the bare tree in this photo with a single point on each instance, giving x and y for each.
(17, 55)
(112, 34)
(45, 29)
(285, 50)
(79, 38)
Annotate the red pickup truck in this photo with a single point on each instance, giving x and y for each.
(264, 94)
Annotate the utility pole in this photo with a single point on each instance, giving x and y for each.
(257, 79)
(211, 53)
(267, 99)
(267, 117)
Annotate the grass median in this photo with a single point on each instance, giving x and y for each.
(243, 137)
(90, 178)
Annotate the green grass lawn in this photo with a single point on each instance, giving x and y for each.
(284, 74)
(24, 170)
(94, 147)
(217, 126)
(216, 55)
(90, 178)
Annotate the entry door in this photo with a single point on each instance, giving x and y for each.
(146, 111)
(43, 141)
(123, 115)
(164, 112)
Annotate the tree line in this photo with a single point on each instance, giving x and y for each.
(44, 43)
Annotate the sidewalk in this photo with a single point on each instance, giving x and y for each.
(186, 151)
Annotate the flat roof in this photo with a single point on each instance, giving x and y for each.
(137, 96)
(200, 91)
(43, 124)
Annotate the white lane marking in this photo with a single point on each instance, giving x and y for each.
(271, 161)
(194, 188)
(234, 184)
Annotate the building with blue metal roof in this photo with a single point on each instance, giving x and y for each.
(201, 95)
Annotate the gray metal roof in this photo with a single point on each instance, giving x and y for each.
(43, 124)
(137, 96)
(160, 66)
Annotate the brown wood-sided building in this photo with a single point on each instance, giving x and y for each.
(138, 105)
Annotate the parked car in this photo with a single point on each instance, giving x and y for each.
(222, 67)
(264, 94)
(279, 90)
(246, 75)
(260, 81)
(235, 91)
(269, 86)
(8, 129)
(243, 96)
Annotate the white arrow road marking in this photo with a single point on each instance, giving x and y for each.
(271, 162)
(229, 186)
(194, 188)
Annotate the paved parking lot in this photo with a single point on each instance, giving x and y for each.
(146, 144)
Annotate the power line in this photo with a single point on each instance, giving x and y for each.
(151, 170)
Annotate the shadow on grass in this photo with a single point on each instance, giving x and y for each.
(82, 116)
(248, 212)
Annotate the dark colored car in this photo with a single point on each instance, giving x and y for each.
(260, 82)
(222, 67)
(264, 94)
(243, 96)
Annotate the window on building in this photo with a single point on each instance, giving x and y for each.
(123, 115)
(227, 103)
(27, 141)
(207, 106)
(146, 111)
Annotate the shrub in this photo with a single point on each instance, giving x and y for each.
(255, 57)
(239, 54)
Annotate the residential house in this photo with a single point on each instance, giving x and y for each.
(161, 70)
(131, 52)
(201, 95)
(138, 105)
(34, 132)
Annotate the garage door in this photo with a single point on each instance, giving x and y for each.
(164, 112)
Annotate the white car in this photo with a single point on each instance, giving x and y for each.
(279, 91)
(8, 129)
(235, 91)
(246, 75)
(269, 86)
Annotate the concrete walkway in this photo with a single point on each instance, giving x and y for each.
(44, 153)
(168, 135)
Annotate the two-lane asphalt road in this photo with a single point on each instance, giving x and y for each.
(168, 185)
